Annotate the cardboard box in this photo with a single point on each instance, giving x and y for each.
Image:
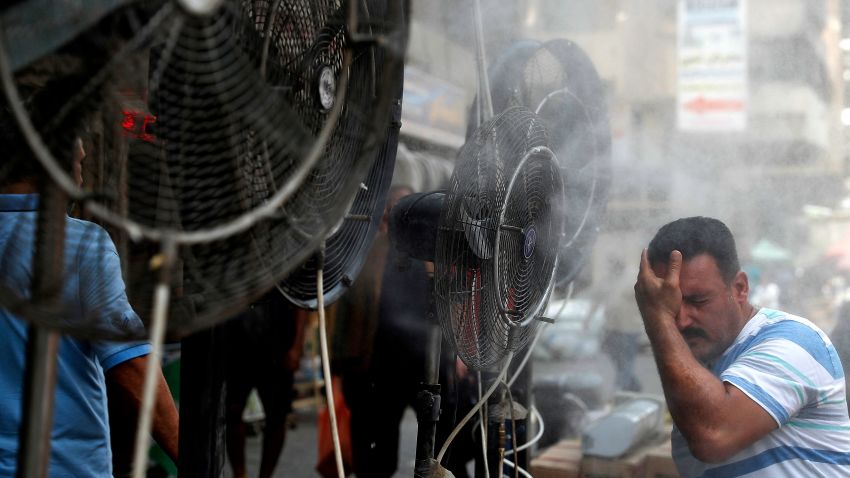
(659, 462)
(632, 465)
(561, 460)
(565, 460)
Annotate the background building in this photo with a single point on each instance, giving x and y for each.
(725, 108)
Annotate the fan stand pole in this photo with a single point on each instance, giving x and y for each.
(485, 105)
(162, 296)
(40, 381)
(475, 409)
(520, 391)
(428, 406)
(495, 419)
(42, 343)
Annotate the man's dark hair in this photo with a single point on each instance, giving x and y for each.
(46, 88)
(693, 236)
(42, 105)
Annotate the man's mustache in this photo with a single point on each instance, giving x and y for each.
(693, 332)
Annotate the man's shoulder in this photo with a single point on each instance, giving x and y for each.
(84, 235)
(779, 324)
(771, 326)
(776, 324)
(82, 225)
(788, 336)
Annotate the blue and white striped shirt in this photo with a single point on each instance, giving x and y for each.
(789, 367)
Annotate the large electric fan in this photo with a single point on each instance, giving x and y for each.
(227, 140)
(346, 248)
(498, 238)
(238, 133)
(558, 81)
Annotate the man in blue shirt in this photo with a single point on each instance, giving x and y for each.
(93, 292)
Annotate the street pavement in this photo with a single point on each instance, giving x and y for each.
(299, 454)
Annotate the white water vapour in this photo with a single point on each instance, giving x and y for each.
(734, 109)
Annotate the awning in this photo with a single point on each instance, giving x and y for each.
(767, 251)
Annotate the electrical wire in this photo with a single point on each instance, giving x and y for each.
(527, 355)
(326, 364)
(518, 468)
(578, 401)
(537, 337)
(536, 438)
(475, 409)
(162, 294)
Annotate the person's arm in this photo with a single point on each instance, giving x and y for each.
(125, 382)
(716, 419)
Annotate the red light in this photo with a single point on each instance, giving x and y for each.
(129, 120)
(132, 125)
(146, 135)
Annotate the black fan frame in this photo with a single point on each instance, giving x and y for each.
(195, 310)
(586, 165)
(346, 248)
(488, 297)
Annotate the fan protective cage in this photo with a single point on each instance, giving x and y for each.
(557, 80)
(242, 135)
(498, 238)
(561, 84)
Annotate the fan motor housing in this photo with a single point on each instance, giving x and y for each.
(413, 224)
(326, 87)
(530, 242)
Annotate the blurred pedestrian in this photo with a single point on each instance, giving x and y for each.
(389, 378)
(92, 293)
(623, 327)
(265, 343)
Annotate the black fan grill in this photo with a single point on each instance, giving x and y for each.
(558, 81)
(246, 135)
(347, 246)
(498, 238)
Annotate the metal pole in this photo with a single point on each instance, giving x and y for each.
(428, 405)
(42, 343)
(34, 449)
(495, 420)
(521, 390)
(162, 295)
(485, 101)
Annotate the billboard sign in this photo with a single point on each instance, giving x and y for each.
(712, 66)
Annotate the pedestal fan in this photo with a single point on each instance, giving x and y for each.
(557, 80)
(260, 122)
(500, 250)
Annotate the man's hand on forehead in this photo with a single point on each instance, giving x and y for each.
(658, 296)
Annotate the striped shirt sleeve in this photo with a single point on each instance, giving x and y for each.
(780, 375)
